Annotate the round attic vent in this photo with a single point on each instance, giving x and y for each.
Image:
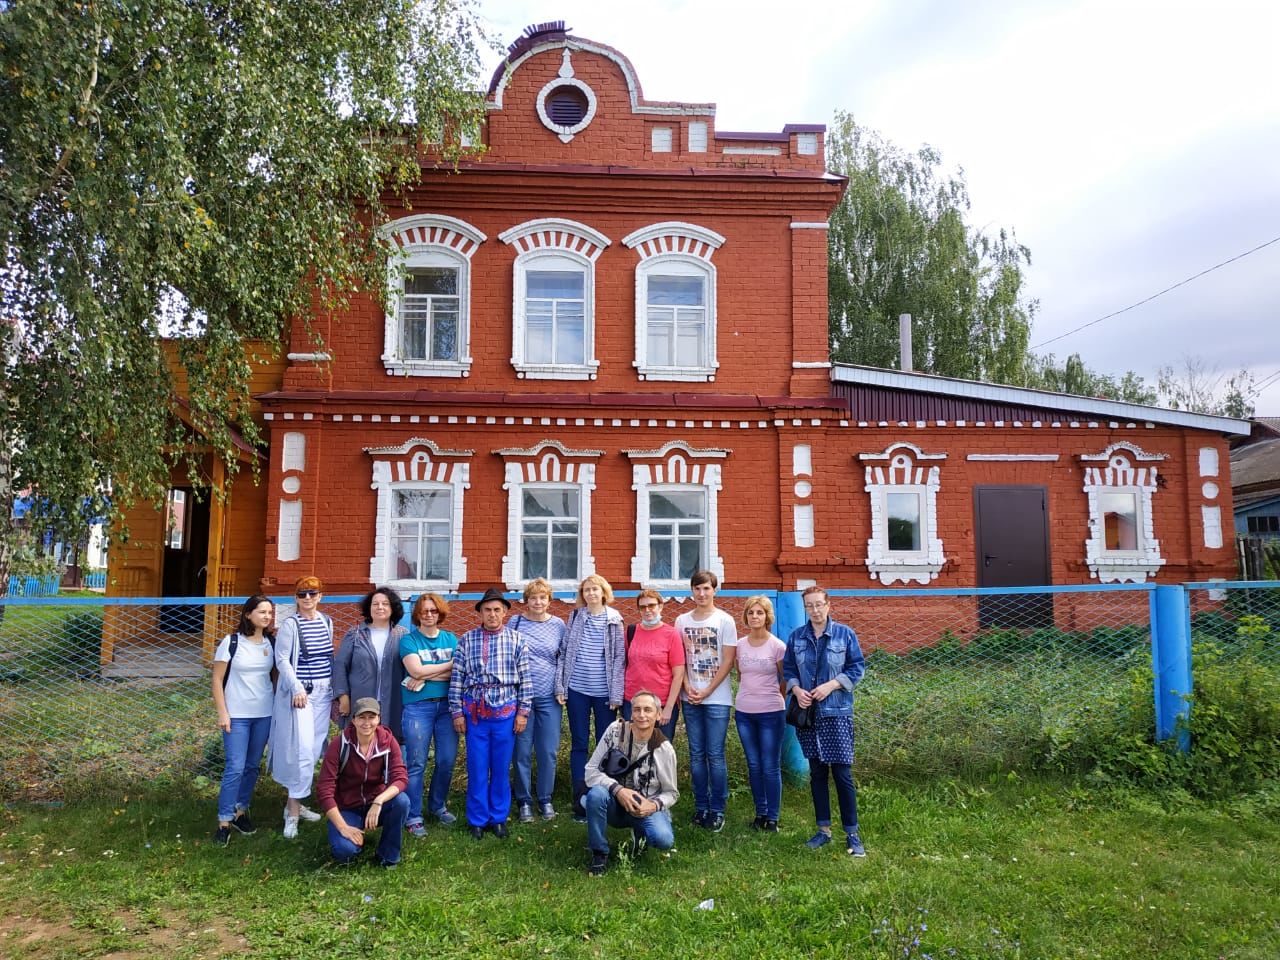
(566, 104)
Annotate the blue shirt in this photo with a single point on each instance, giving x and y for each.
(542, 638)
(432, 651)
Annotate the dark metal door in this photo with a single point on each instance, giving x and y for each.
(1012, 525)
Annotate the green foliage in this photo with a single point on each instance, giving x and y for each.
(1199, 388)
(899, 243)
(200, 171)
(26, 559)
(1043, 373)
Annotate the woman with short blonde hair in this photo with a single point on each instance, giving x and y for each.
(543, 636)
(760, 711)
(590, 675)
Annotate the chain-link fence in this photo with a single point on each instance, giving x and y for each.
(98, 693)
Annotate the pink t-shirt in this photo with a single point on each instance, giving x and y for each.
(758, 676)
(650, 659)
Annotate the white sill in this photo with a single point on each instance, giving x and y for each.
(427, 368)
(557, 586)
(421, 586)
(677, 374)
(556, 371)
(889, 571)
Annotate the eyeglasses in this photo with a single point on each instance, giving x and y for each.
(308, 593)
(430, 612)
(817, 605)
(650, 606)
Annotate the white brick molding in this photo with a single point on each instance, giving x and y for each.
(810, 225)
(418, 464)
(628, 74)
(556, 234)
(565, 78)
(903, 468)
(1118, 472)
(433, 230)
(676, 466)
(1014, 457)
(674, 236)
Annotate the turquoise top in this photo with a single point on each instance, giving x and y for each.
(429, 650)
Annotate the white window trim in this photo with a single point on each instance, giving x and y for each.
(554, 239)
(899, 469)
(395, 468)
(1120, 471)
(428, 240)
(676, 466)
(682, 249)
(547, 464)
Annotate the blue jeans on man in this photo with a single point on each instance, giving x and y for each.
(490, 743)
(243, 747)
(540, 740)
(424, 721)
(707, 725)
(761, 736)
(603, 811)
(390, 822)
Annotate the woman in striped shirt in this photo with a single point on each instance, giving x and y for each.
(300, 711)
(589, 678)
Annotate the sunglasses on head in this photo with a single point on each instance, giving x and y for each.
(308, 593)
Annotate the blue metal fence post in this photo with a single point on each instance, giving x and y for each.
(789, 614)
(1171, 661)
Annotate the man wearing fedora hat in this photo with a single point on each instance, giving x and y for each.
(490, 694)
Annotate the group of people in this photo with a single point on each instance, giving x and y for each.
(398, 694)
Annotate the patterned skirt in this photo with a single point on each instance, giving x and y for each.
(829, 741)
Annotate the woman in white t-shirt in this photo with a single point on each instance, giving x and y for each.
(760, 711)
(242, 694)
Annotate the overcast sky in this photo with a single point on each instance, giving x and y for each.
(1130, 145)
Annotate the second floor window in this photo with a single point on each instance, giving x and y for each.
(555, 316)
(430, 314)
(676, 321)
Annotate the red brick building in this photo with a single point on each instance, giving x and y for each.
(607, 351)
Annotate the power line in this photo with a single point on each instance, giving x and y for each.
(1216, 266)
(1264, 383)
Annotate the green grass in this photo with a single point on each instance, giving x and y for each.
(1006, 868)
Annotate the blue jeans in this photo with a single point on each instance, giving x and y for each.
(761, 736)
(391, 822)
(422, 722)
(490, 744)
(581, 709)
(604, 811)
(668, 729)
(541, 738)
(846, 794)
(707, 725)
(243, 747)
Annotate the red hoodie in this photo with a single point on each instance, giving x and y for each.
(360, 781)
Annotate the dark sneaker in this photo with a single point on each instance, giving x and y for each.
(243, 824)
(853, 845)
(524, 812)
(547, 810)
(714, 822)
(639, 843)
(388, 864)
(499, 830)
(599, 863)
(222, 836)
(700, 818)
(446, 818)
(770, 826)
(579, 817)
(757, 823)
(416, 829)
(818, 840)
(477, 833)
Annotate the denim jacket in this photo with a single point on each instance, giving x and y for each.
(844, 663)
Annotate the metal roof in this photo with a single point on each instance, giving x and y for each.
(978, 393)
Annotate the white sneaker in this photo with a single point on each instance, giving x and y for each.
(290, 827)
(309, 815)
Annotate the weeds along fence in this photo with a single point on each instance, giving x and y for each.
(114, 693)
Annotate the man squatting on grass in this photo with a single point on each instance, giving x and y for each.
(631, 782)
(361, 787)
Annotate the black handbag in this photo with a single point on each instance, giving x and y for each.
(802, 718)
